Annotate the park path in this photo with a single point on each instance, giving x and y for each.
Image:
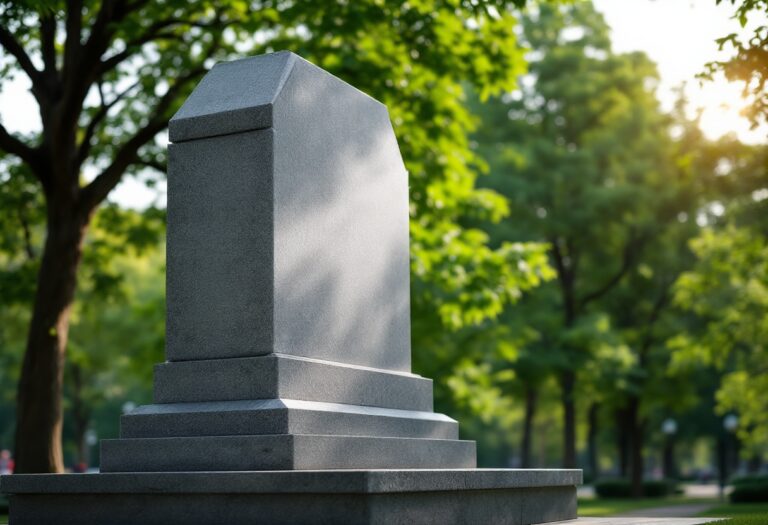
(640, 521)
(671, 511)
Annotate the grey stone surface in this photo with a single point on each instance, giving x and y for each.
(219, 247)
(291, 239)
(288, 335)
(307, 481)
(289, 377)
(233, 97)
(368, 497)
(282, 416)
(282, 452)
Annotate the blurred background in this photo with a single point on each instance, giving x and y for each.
(589, 190)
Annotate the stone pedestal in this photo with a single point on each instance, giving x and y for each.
(288, 334)
(482, 496)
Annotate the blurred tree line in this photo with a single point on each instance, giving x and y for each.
(641, 243)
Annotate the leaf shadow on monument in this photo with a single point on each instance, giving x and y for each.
(341, 226)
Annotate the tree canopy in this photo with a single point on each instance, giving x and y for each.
(107, 75)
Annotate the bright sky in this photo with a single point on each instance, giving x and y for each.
(679, 35)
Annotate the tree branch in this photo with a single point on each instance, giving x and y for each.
(48, 43)
(98, 189)
(14, 146)
(74, 26)
(14, 48)
(629, 254)
(149, 163)
(153, 32)
(85, 145)
(566, 277)
(30, 251)
(658, 306)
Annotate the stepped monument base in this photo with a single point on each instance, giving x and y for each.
(503, 496)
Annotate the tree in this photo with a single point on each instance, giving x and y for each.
(726, 289)
(726, 292)
(107, 75)
(584, 156)
(749, 64)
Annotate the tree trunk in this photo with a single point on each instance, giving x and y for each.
(592, 440)
(754, 464)
(622, 441)
(39, 410)
(531, 398)
(567, 386)
(670, 470)
(636, 446)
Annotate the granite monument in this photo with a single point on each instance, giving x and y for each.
(287, 395)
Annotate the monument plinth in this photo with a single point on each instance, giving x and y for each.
(288, 385)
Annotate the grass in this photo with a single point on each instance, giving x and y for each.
(597, 507)
(741, 513)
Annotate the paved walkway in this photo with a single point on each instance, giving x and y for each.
(671, 511)
(690, 490)
(640, 521)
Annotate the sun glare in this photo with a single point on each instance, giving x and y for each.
(722, 103)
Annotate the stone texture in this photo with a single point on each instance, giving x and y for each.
(233, 97)
(371, 481)
(365, 497)
(282, 452)
(288, 335)
(281, 376)
(293, 238)
(220, 252)
(282, 416)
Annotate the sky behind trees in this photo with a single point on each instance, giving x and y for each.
(679, 35)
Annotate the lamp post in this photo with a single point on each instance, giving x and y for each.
(669, 428)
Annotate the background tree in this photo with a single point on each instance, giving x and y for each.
(749, 63)
(583, 154)
(727, 292)
(107, 75)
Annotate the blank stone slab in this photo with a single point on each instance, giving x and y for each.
(287, 220)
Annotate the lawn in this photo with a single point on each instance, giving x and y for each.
(741, 513)
(595, 507)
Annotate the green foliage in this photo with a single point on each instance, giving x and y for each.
(122, 69)
(413, 56)
(753, 489)
(728, 290)
(584, 155)
(622, 488)
(749, 63)
(117, 327)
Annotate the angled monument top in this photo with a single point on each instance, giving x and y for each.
(287, 219)
(240, 95)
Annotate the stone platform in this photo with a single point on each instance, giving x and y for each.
(460, 496)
